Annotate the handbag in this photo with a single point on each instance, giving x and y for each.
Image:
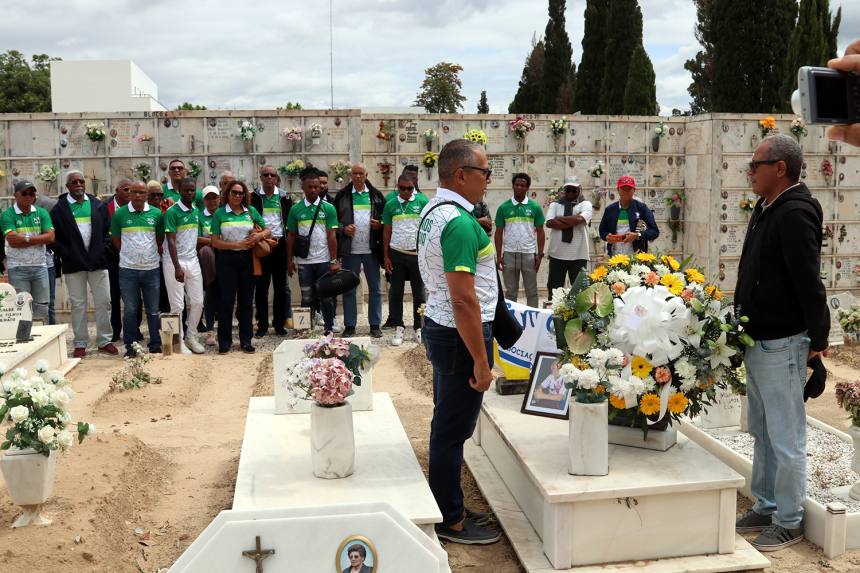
(263, 248)
(330, 285)
(302, 245)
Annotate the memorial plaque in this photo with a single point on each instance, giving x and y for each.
(846, 238)
(456, 130)
(537, 171)
(27, 169)
(269, 139)
(845, 272)
(45, 139)
(411, 137)
(169, 139)
(335, 136)
(540, 140)
(620, 129)
(16, 314)
(579, 134)
(121, 130)
(120, 168)
(674, 144)
(495, 137)
(735, 175)
(729, 274)
(736, 136)
(21, 138)
(639, 138)
(578, 166)
(220, 134)
(733, 239)
(847, 208)
(616, 169)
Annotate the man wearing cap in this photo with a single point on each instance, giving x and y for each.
(206, 254)
(82, 227)
(627, 225)
(568, 219)
(176, 171)
(519, 232)
(27, 230)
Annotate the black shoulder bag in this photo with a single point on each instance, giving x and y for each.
(302, 246)
(506, 329)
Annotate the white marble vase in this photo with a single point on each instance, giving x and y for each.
(854, 492)
(332, 441)
(589, 439)
(29, 477)
(744, 411)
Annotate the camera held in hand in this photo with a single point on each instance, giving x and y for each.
(827, 96)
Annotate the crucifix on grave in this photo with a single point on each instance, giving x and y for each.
(258, 555)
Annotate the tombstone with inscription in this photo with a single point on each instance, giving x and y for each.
(16, 314)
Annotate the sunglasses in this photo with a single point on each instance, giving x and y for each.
(156, 195)
(268, 175)
(27, 193)
(753, 164)
(487, 172)
(125, 188)
(237, 193)
(402, 188)
(176, 168)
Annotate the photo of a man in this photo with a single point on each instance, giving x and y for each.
(547, 394)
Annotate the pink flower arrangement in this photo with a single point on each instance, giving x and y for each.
(330, 381)
(826, 167)
(652, 278)
(662, 375)
(145, 137)
(687, 295)
(618, 288)
(520, 127)
(327, 347)
(293, 133)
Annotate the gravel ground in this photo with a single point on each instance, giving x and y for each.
(828, 463)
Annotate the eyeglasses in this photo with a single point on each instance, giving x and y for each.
(402, 188)
(753, 164)
(76, 182)
(268, 175)
(156, 195)
(176, 168)
(125, 188)
(487, 172)
(139, 192)
(237, 193)
(27, 193)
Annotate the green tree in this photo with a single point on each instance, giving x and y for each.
(623, 35)
(290, 106)
(831, 29)
(750, 53)
(640, 96)
(440, 92)
(25, 87)
(567, 92)
(589, 78)
(702, 66)
(557, 56)
(526, 99)
(188, 107)
(483, 106)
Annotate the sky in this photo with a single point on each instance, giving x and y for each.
(260, 55)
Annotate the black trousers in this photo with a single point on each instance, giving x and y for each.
(560, 267)
(115, 298)
(404, 267)
(236, 280)
(274, 269)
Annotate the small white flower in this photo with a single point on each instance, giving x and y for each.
(65, 417)
(60, 399)
(42, 366)
(46, 435)
(649, 383)
(596, 357)
(65, 439)
(54, 377)
(39, 398)
(661, 270)
(614, 357)
(2, 369)
(693, 331)
(569, 372)
(19, 373)
(19, 414)
(721, 352)
(588, 379)
(91, 431)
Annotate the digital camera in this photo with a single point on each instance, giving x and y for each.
(827, 96)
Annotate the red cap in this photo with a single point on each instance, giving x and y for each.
(627, 182)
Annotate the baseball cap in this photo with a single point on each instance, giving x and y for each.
(24, 184)
(815, 385)
(572, 181)
(211, 190)
(627, 181)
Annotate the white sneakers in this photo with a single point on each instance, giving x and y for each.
(335, 328)
(194, 345)
(210, 338)
(398, 336)
(417, 336)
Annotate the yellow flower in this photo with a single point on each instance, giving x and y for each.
(641, 367)
(646, 257)
(618, 260)
(670, 262)
(695, 276)
(649, 404)
(599, 389)
(579, 362)
(713, 292)
(617, 403)
(598, 273)
(673, 283)
(677, 403)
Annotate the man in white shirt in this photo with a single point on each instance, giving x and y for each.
(568, 219)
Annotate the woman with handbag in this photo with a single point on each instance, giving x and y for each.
(236, 229)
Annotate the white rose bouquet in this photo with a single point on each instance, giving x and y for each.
(246, 130)
(36, 410)
(95, 131)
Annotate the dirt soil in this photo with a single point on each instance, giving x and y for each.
(166, 459)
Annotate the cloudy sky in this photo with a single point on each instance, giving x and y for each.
(259, 55)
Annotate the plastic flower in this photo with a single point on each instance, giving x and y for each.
(649, 404)
(65, 439)
(662, 375)
(19, 414)
(693, 332)
(617, 402)
(641, 367)
(713, 292)
(673, 283)
(695, 276)
(670, 262)
(646, 257)
(651, 278)
(618, 260)
(721, 352)
(677, 403)
(46, 434)
(598, 273)
(618, 288)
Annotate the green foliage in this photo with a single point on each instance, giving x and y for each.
(483, 106)
(188, 107)
(702, 66)
(527, 98)
(134, 375)
(567, 92)
(640, 97)
(589, 78)
(25, 87)
(290, 106)
(623, 35)
(440, 92)
(557, 57)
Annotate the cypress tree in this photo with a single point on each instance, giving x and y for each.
(557, 56)
(564, 102)
(526, 99)
(830, 29)
(483, 106)
(623, 33)
(640, 95)
(807, 47)
(702, 66)
(589, 78)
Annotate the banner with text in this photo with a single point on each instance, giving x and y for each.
(538, 336)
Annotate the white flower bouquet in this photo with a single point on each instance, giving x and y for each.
(245, 130)
(48, 172)
(558, 127)
(341, 170)
(95, 131)
(661, 130)
(798, 128)
(36, 410)
(849, 320)
(431, 134)
(315, 129)
(143, 170)
(597, 169)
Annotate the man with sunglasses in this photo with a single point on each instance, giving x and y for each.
(779, 289)
(28, 229)
(274, 205)
(176, 171)
(400, 219)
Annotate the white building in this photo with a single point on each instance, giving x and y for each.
(101, 85)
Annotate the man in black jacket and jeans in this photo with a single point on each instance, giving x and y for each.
(779, 288)
(81, 227)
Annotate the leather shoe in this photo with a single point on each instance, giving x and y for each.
(80, 352)
(110, 349)
(261, 332)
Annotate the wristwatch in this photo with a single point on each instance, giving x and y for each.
(334, 262)
(26, 238)
(541, 255)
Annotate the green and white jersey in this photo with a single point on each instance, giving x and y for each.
(205, 219)
(234, 227)
(450, 239)
(171, 193)
(185, 223)
(83, 213)
(137, 230)
(31, 224)
(519, 221)
(299, 220)
(361, 218)
(403, 218)
(272, 211)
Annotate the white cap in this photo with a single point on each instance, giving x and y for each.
(209, 189)
(572, 181)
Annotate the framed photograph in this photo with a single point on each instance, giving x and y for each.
(546, 394)
(356, 555)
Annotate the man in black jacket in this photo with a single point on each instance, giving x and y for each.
(81, 226)
(779, 288)
(359, 244)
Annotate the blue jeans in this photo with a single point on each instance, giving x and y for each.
(776, 375)
(33, 280)
(371, 273)
(133, 285)
(308, 275)
(52, 286)
(455, 412)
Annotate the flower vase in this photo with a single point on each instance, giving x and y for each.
(598, 181)
(295, 145)
(289, 182)
(753, 142)
(147, 147)
(851, 338)
(675, 213)
(430, 173)
(315, 140)
(429, 145)
(96, 147)
(744, 410)
(95, 186)
(655, 144)
(391, 146)
(658, 180)
(854, 431)
(29, 478)
(595, 205)
(332, 441)
(589, 439)
(559, 143)
(827, 179)
(521, 144)
(248, 143)
(385, 181)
